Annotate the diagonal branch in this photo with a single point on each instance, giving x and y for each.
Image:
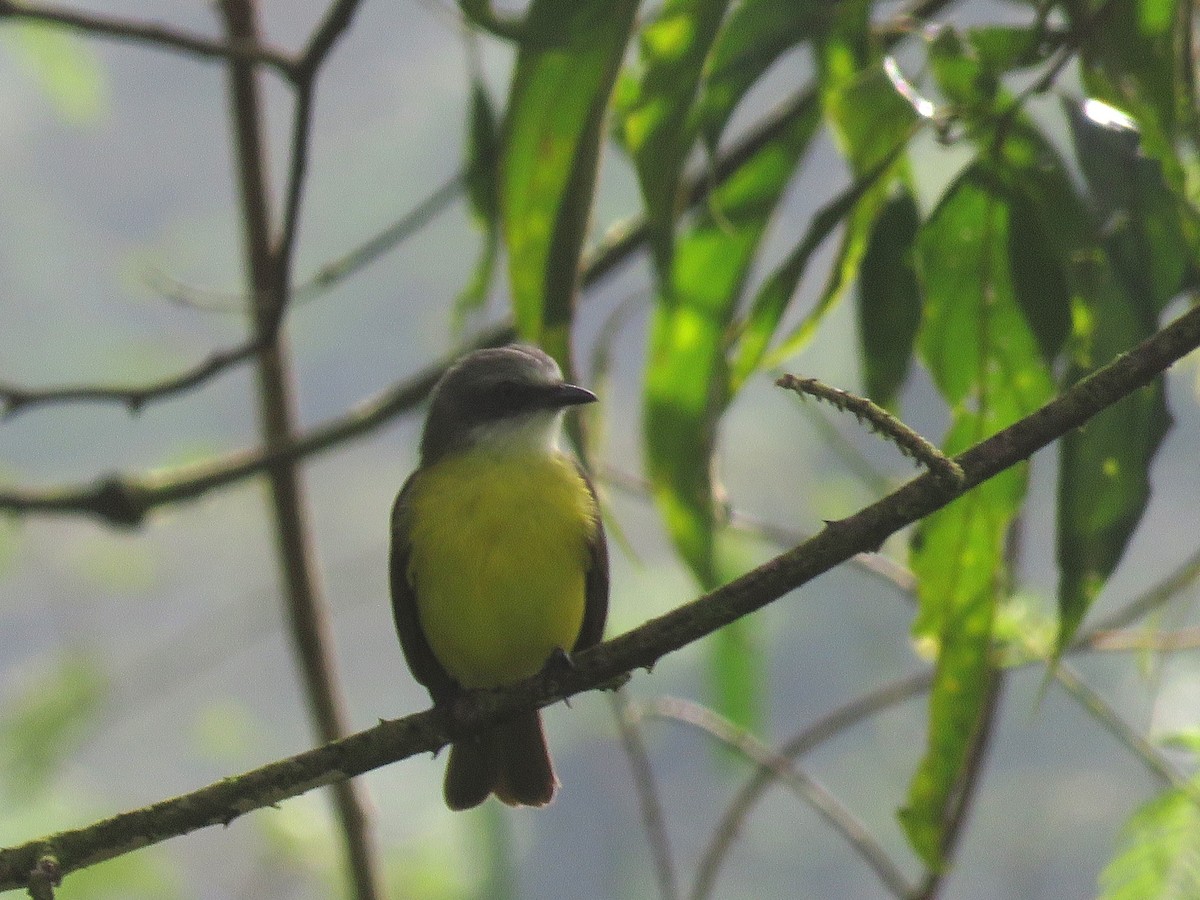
(150, 33)
(126, 499)
(269, 276)
(600, 666)
(14, 399)
(786, 771)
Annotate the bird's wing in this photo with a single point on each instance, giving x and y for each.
(424, 665)
(595, 610)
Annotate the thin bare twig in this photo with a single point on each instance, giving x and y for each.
(268, 271)
(784, 769)
(1115, 724)
(15, 399)
(1173, 641)
(653, 821)
(337, 19)
(125, 500)
(329, 273)
(149, 33)
(906, 440)
(612, 660)
(835, 722)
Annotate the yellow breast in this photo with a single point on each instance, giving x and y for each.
(498, 561)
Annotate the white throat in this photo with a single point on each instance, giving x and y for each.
(533, 434)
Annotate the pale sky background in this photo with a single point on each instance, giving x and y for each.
(182, 619)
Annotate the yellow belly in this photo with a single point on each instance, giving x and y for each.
(499, 554)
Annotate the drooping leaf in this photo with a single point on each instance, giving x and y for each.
(1006, 48)
(656, 117)
(853, 208)
(687, 381)
(67, 68)
(1129, 61)
(41, 727)
(1160, 850)
(985, 360)
(1104, 467)
(561, 88)
(1103, 471)
(889, 308)
(1104, 479)
(1039, 279)
(755, 35)
(481, 14)
(1137, 211)
(869, 118)
(873, 126)
(736, 673)
(482, 187)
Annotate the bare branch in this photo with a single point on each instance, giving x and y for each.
(127, 500)
(611, 661)
(15, 399)
(785, 771)
(149, 33)
(268, 270)
(337, 20)
(653, 822)
(1160, 642)
(829, 725)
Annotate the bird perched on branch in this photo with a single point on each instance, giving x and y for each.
(498, 558)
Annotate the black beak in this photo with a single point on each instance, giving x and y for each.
(569, 395)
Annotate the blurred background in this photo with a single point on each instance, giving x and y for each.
(139, 664)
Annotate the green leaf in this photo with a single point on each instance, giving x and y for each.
(42, 726)
(975, 338)
(67, 68)
(656, 124)
(146, 875)
(481, 14)
(889, 309)
(736, 670)
(736, 673)
(873, 125)
(869, 118)
(552, 137)
(1006, 48)
(972, 88)
(1103, 467)
(755, 35)
(482, 187)
(1159, 855)
(1133, 204)
(687, 381)
(1039, 280)
(984, 358)
(854, 208)
(1104, 477)
(1129, 61)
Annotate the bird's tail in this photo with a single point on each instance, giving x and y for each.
(511, 761)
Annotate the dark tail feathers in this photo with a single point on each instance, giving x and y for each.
(511, 761)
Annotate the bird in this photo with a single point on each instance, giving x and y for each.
(498, 559)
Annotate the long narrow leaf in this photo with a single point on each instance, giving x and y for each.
(686, 376)
(985, 360)
(561, 87)
(656, 123)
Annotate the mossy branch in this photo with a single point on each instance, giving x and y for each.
(908, 441)
(390, 741)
